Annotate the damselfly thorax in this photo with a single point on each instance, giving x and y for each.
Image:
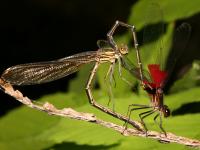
(111, 55)
(156, 100)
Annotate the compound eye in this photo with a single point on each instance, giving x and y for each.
(123, 49)
(166, 112)
(160, 91)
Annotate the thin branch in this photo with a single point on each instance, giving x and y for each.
(70, 113)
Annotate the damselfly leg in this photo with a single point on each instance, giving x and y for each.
(160, 122)
(135, 44)
(131, 109)
(145, 114)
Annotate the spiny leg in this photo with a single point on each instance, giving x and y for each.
(89, 84)
(135, 43)
(110, 73)
(161, 127)
(130, 110)
(99, 106)
(155, 119)
(120, 72)
(112, 31)
(160, 123)
(139, 62)
(146, 114)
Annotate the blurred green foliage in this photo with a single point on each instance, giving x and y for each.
(25, 128)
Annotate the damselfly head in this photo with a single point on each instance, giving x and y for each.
(123, 49)
(166, 111)
(159, 91)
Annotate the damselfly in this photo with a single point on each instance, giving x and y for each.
(42, 72)
(155, 83)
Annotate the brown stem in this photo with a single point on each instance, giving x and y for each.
(70, 113)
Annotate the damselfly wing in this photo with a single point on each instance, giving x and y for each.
(43, 72)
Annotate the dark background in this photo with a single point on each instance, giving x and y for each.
(42, 30)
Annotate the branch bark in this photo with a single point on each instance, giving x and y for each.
(71, 113)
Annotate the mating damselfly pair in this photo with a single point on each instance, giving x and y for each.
(47, 71)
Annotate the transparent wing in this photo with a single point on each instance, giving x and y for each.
(103, 44)
(82, 57)
(128, 65)
(181, 38)
(42, 72)
(180, 41)
(153, 30)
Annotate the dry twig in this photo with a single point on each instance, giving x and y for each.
(70, 113)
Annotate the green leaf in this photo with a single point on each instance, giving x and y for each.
(23, 126)
(78, 84)
(36, 130)
(183, 97)
(150, 52)
(189, 80)
(168, 8)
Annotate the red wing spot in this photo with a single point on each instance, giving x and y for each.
(151, 84)
(158, 76)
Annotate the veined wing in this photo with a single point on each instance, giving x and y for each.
(42, 72)
(81, 57)
(153, 37)
(128, 65)
(180, 41)
(103, 44)
(153, 31)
